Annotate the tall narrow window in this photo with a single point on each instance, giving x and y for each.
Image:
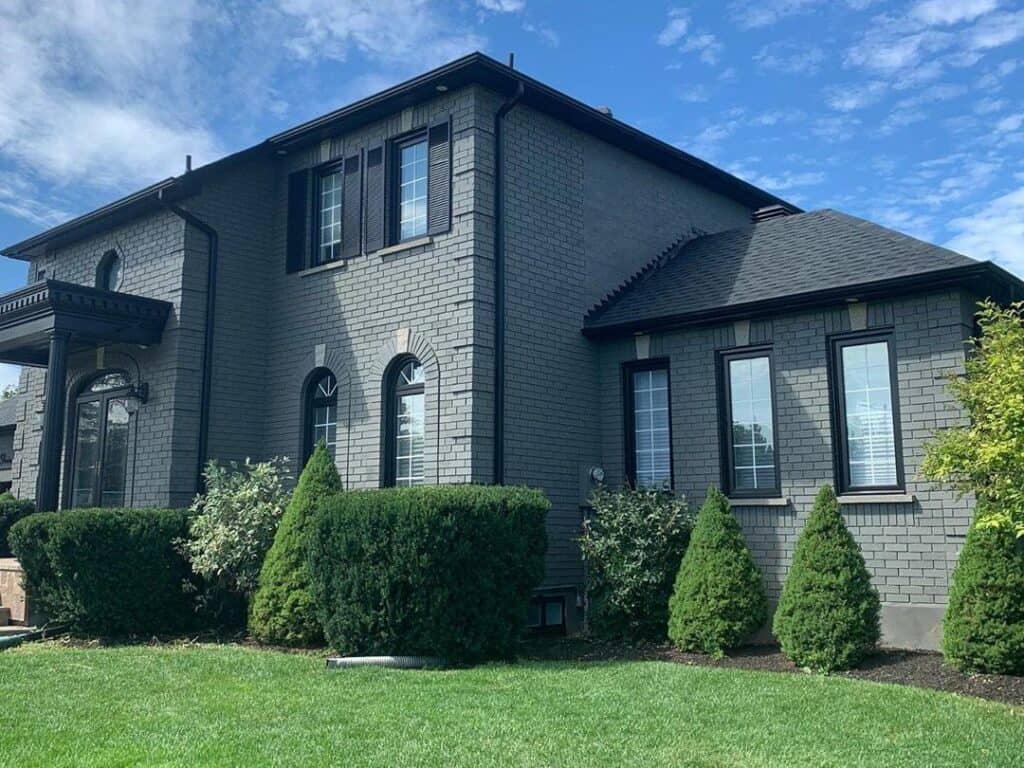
(404, 424)
(330, 196)
(648, 434)
(868, 433)
(412, 188)
(321, 412)
(747, 405)
(109, 271)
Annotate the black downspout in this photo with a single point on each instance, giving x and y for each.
(499, 287)
(211, 306)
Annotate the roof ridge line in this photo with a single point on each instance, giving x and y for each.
(646, 270)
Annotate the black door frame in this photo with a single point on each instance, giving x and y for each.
(104, 397)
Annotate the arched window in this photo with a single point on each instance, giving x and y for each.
(109, 271)
(402, 463)
(321, 412)
(100, 458)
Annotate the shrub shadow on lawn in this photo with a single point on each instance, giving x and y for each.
(915, 668)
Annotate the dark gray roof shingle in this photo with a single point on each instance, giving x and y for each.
(787, 256)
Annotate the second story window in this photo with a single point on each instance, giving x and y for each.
(329, 201)
(412, 188)
(109, 271)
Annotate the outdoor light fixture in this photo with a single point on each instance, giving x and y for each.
(138, 395)
(597, 475)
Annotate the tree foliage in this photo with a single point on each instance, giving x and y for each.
(283, 611)
(987, 456)
(828, 613)
(632, 546)
(719, 600)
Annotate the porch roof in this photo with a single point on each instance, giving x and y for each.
(91, 316)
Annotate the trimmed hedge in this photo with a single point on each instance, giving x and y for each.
(11, 511)
(283, 611)
(983, 630)
(108, 572)
(437, 571)
(828, 613)
(719, 600)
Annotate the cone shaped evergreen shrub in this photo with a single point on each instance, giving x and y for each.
(983, 630)
(828, 614)
(282, 609)
(719, 600)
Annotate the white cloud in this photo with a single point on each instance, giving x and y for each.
(853, 96)
(10, 375)
(94, 95)
(545, 33)
(756, 13)
(793, 58)
(413, 34)
(891, 46)
(995, 231)
(1010, 123)
(502, 6)
(675, 28)
(705, 45)
(945, 12)
(995, 31)
(834, 129)
(783, 182)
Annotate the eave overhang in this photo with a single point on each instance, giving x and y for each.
(92, 316)
(984, 279)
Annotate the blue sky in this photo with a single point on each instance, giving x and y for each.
(908, 113)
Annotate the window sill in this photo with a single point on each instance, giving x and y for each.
(404, 246)
(877, 498)
(773, 501)
(339, 264)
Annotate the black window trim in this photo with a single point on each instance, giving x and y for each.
(724, 392)
(389, 399)
(629, 423)
(837, 407)
(336, 165)
(393, 184)
(310, 400)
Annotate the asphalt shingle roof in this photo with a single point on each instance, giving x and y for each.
(787, 256)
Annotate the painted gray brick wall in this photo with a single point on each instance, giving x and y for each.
(581, 217)
(910, 549)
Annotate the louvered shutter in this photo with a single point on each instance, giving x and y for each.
(352, 200)
(298, 202)
(439, 177)
(373, 214)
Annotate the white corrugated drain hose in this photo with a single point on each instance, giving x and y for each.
(389, 662)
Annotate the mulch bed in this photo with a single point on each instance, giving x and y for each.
(918, 668)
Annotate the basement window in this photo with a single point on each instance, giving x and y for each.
(547, 615)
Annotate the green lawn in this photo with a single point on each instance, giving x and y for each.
(231, 706)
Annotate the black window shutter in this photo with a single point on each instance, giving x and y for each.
(352, 200)
(439, 177)
(374, 206)
(298, 196)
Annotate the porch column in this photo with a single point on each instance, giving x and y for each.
(48, 479)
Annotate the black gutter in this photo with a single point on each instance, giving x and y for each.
(499, 284)
(985, 275)
(211, 307)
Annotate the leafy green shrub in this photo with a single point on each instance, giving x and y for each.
(233, 524)
(107, 571)
(283, 610)
(986, 457)
(827, 617)
(632, 546)
(11, 511)
(983, 630)
(719, 599)
(439, 571)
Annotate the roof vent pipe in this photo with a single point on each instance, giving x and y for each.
(188, 163)
(770, 212)
(606, 111)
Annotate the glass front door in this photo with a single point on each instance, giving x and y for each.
(100, 459)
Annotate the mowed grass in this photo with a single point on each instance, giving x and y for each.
(233, 706)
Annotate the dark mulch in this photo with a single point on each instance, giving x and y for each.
(918, 668)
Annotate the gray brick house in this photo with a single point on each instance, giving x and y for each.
(471, 277)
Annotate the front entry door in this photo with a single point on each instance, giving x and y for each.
(101, 443)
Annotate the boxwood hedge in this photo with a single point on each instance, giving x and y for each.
(438, 571)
